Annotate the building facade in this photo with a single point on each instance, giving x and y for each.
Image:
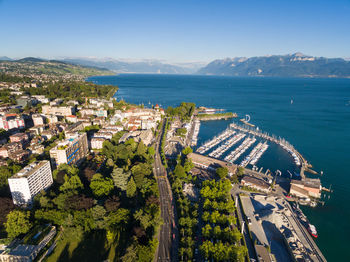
(11, 121)
(71, 151)
(57, 110)
(30, 181)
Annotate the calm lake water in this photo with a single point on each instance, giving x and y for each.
(317, 123)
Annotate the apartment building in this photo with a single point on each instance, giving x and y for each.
(30, 181)
(70, 151)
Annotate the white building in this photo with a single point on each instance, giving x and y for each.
(57, 110)
(52, 119)
(37, 120)
(30, 181)
(97, 142)
(41, 98)
(70, 151)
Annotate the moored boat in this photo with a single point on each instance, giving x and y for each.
(312, 230)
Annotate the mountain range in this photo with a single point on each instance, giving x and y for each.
(140, 66)
(292, 65)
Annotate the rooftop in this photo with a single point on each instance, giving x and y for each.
(308, 182)
(209, 161)
(30, 169)
(255, 181)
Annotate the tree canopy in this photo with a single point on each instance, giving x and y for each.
(17, 223)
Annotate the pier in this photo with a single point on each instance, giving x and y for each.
(255, 154)
(215, 141)
(234, 155)
(298, 158)
(227, 145)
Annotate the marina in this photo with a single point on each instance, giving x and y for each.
(234, 155)
(255, 154)
(227, 145)
(215, 141)
(298, 159)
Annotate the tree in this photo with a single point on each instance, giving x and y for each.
(141, 150)
(179, 172)
(79, 202)
(131, 188)
(6, 206)
(130, 255)
(222, 172)
(144, 218)
(17, 223)
(188, 165)
(139, 171)
(101, 186)
(98, 213)
(206, 231)
(217, 232)
(72, 183)
(240, 171)
(187, 151)
(120, 178)
(110, 162)
(151, 151)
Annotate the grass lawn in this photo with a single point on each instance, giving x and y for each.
(75, 246)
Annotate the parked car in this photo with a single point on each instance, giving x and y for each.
(249, 220)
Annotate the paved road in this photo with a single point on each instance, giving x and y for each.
(165, 251)
(251, 250)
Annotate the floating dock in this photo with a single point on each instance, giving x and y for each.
(215, 141)
(227, 145)
(234, 155)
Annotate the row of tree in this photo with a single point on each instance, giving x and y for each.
(187, 211)
(222, 238)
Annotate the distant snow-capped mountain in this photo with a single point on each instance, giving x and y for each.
(291, 65)
(136, 66)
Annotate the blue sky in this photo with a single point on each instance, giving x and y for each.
(173, 30)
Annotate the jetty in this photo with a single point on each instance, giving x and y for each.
(216, 116)
(215, 141)
(227, 145)
(234, 155)
(255, 154)
(298, 158)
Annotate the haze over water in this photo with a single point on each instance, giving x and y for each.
(317, 123)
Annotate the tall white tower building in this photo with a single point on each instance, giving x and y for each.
(30, 181)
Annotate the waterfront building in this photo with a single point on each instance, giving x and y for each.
(256, 183)
(211, 164)
(30, 181)
(70, 151)
(306, 188)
